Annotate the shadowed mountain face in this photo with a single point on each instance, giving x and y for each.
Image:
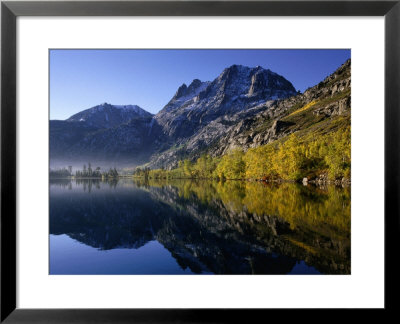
(129, 133)
(222, 228)
(105, 132)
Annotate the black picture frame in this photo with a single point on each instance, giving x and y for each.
(10, 10)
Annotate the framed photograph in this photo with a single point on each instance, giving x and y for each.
(192, 161)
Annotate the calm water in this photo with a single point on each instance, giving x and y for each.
(197, 227)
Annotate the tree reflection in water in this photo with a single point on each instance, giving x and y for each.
(232, 227)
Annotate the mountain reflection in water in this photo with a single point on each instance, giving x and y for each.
(183, 226)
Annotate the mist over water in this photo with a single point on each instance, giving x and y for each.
(197, 227)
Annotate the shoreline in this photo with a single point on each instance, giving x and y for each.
(344, 182)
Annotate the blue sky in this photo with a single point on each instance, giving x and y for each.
(80, 79)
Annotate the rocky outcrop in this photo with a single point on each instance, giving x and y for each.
(338, 81)
(337, 108)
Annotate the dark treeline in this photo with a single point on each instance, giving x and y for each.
(86, 172)
(142, 172)
(61, 173)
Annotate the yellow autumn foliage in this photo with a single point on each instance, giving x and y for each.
(292, 159)
(304, 108)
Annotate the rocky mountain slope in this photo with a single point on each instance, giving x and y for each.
(320, 108)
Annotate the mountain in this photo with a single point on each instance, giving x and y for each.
(65, 134)
(129, 133)
(242, 108)
(107, 115)
(103, 133)
(185, 94)
(128, 141)
(236, 89)
(320, 109)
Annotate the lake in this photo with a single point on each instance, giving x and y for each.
(130, 226)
